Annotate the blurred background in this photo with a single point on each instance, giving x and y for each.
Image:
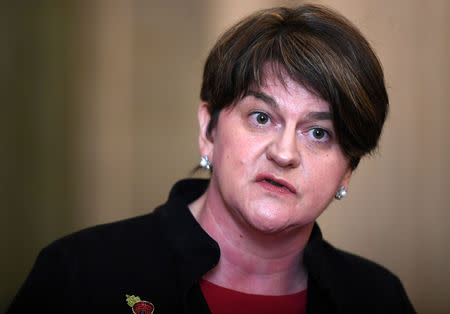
(98, 120)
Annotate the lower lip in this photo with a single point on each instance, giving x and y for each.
(273, 188)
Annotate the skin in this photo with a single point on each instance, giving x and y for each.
(279, 132)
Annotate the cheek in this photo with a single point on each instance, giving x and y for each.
(236, 149)
(326, 175)
(227, 156)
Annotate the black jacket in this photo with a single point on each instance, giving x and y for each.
(161, 256)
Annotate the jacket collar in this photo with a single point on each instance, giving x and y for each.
(194, 251)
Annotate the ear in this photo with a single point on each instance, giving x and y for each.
(346, 178)
(205, 142)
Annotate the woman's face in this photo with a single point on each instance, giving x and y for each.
(277, 163)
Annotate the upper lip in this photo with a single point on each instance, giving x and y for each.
(267, 176)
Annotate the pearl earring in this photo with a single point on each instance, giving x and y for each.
(205, 163)
(341, 193)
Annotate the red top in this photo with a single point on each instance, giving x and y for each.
(224, 301)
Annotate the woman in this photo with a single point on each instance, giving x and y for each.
(291, 100)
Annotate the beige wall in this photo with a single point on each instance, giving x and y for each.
(128, 87)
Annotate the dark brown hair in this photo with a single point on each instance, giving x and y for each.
(316, 47)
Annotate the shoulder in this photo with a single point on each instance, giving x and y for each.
(108, 248)
(106, 237)
(333, 265)
(360, 284)
(111, 249)
(354, 266)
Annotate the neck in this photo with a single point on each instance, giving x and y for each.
(252, 261)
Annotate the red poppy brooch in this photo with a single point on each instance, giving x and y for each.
(138, 306)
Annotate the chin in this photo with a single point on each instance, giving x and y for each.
(270, 222)
(274, 221)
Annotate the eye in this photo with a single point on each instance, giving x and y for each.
(319, 134)
(261, 117)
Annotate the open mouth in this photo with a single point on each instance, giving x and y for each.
(275, 184)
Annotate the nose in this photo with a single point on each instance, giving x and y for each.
(283, 150)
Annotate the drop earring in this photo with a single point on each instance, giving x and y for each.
(340, 193)
(205, 163)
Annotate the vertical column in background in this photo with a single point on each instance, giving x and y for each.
(105, 112)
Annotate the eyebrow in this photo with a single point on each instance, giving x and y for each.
(313, 115)
(264, 97)
(319, 115)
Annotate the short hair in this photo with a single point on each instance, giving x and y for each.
(318, 48)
